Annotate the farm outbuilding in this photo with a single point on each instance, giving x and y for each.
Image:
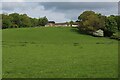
(52, 23)
(99, 33)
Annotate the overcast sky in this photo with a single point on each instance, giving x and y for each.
(59, 11)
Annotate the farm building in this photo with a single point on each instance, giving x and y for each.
(52, 23)
(99, 33)
(75, 24)
(61, 24)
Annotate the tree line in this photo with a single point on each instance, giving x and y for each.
(16, 20)
(89, 21)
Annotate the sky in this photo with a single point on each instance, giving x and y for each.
(59, 0)
(60, 10)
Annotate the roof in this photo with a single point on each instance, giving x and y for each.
(75, 23)
(51, 21)
(60, 23)
(64, 23)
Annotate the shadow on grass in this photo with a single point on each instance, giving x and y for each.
(76, 30)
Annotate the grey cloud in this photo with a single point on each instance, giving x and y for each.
(60, 11)
(18, 5)
(119, 8)
(73, 9)
(77, 5)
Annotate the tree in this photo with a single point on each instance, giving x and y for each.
(6, 21)
(110, 26)
(84, 15)
(25, 21)
(91, 21)
(117, 18)
(71, 23)
(34, 22)
(42, 21)
(67, 23)
(16, 19)
(0, 21)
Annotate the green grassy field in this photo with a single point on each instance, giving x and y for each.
(57, 53)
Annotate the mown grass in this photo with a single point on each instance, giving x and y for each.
(0, 54)
(57, 53)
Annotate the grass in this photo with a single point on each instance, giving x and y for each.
(0, 54)
(57, 53)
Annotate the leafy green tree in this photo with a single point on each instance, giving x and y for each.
(111, 24)
(16, 19)
(6, 21)
(42, 21)
(84, 15)
(34, 22)
(117, 18)
(25, 21)
(0, 21)
(71, 23)
(91, 21)
(67, 23)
